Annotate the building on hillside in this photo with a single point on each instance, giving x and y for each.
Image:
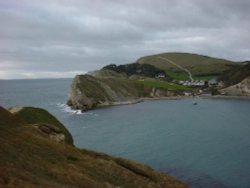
(213, 82)
(192, 83)
(160, 75)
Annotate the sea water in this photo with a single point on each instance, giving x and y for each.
(205, 145)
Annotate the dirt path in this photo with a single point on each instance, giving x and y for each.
(180, 67)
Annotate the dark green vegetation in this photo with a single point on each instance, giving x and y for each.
(136, 69)
(30, 159)
(198, 65)
(235, 76)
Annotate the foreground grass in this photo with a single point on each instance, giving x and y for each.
(28, 159)
(33, 115)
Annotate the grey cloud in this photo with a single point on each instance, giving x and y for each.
(49, 37)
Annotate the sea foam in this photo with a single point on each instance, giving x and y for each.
(65, 108)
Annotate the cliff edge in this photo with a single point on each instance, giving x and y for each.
(240, 89)
(88, 92)
(30, 157)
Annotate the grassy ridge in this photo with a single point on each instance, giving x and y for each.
(198, 65)
(27, 159)
(33, 115)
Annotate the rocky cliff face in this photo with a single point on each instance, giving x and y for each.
(240, 89)
(29, 158)
(88, 92)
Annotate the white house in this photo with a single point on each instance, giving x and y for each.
(160, 75)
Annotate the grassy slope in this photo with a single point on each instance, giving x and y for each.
(93, 87)
(199, 65)
(33, 115)
(162, 84)
(29, 160)
(127, 87)
(232, 77)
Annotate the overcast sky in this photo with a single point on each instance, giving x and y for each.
(60, 38)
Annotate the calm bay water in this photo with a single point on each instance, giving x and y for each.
(207, 145)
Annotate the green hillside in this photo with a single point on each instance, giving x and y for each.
(161, 84)
(39, 116)
(200, 66)
(235, 76)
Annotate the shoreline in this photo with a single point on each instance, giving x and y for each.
(197, 97)
(173, 98)
(226, 97)
(135, 101)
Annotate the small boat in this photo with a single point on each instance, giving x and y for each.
(194, 100)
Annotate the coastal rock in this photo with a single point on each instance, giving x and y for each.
(240, 89)
(158, 92)
(51, 132)
(46, 123)
(88, 92)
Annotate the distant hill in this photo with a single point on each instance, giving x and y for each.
(198, 65)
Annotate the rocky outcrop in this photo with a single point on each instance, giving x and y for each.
(52, 132)
(45, 123)
(240, 89)
(88, 92)
(30, 159)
